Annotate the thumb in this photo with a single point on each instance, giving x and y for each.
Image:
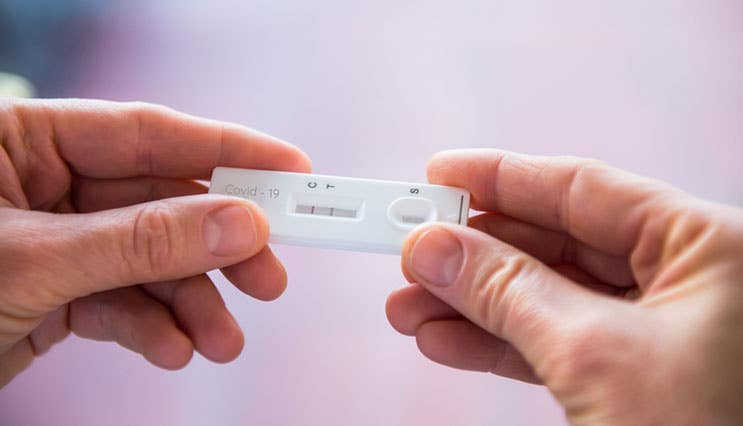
(503, 290)
(55, 258)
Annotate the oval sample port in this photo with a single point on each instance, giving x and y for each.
(409, 212)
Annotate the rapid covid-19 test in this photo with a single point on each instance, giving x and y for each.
(342, 212)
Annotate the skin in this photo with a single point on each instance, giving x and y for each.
(620, 294)
(107, 234)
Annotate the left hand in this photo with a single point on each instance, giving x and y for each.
(97, 198)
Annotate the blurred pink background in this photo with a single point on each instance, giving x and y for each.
(372, 89)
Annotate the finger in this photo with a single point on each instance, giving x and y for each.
(461, 344)
(501, 289)
(135, 321)
(51, 331)
(91, 195)
(262, 276)
(70, 256)
(14, 360)
(444, 337)
(604, 207)
(409, 307)
(202, 315)
(412, 306)
(137, 139)
(553, 248)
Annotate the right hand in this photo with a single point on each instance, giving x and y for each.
(622, 295)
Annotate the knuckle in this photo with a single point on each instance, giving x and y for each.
(590, 168)
(583, 170)
(499, 295)
(154, 238)
(139, 107)
(143, 116)
(144, 111)
(584, 163)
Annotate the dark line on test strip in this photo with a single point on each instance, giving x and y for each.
(461, 204)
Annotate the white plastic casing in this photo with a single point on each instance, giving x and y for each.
(342, 212)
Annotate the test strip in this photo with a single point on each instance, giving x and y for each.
(342, 212)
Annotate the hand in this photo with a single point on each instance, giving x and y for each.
(92, 240)
(622, 295)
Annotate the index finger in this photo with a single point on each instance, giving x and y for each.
(602, 206)
(103, 139)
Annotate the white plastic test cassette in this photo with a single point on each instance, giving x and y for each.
(342, 212)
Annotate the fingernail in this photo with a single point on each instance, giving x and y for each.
(437, 257)
(229, 231)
